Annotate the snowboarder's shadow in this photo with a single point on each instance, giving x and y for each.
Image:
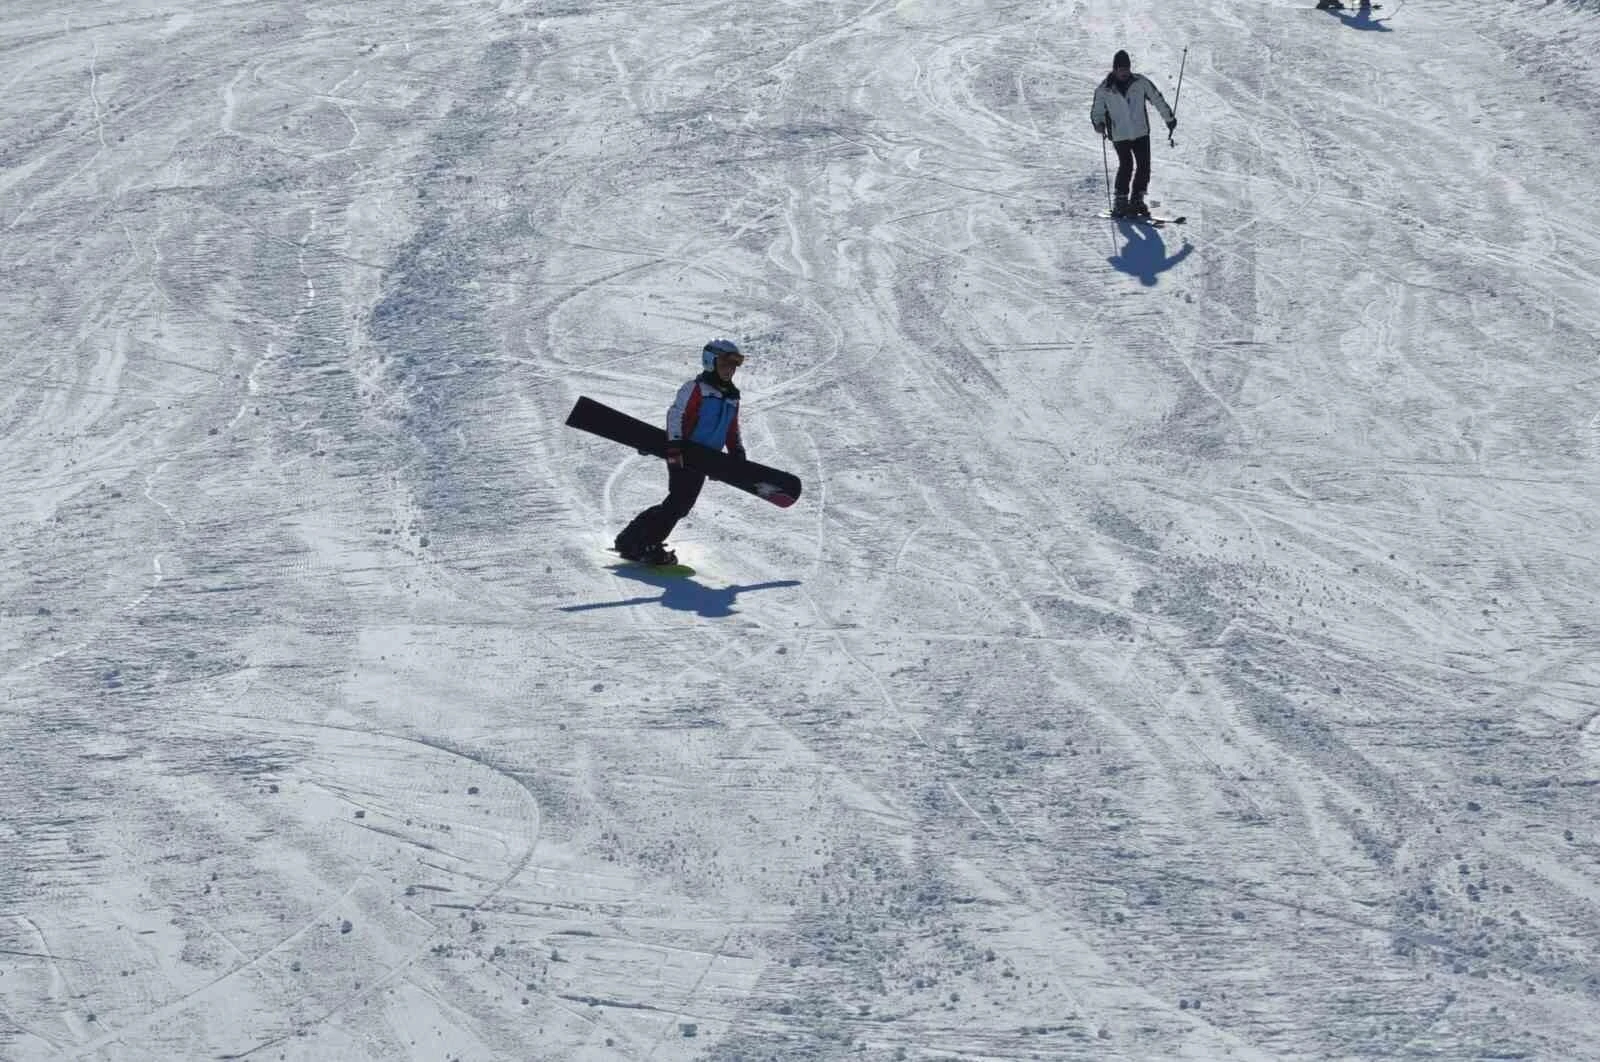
(1145, 255)
(682, 594)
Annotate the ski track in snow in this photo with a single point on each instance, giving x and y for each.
(1184, 648)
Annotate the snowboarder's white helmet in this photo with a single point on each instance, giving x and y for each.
(718, 348)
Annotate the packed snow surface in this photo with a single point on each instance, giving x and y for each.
(1187, 645)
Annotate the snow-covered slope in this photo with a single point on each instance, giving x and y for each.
(1185, 647)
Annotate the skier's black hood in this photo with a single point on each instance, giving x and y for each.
(725, 386)
(1111, 82)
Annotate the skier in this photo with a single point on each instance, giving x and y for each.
(705, 412)
(1119, 113)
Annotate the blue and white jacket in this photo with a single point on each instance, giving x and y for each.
(706, 412)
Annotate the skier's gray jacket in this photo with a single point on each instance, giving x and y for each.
(1121, 108)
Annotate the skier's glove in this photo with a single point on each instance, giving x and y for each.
(1100, 127)
(737, 452)
(675, 453)
(1172, 123)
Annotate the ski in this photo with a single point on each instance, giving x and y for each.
(769, 484)
(1153, 220)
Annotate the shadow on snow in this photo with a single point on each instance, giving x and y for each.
(681, 593)
(1145, 255)
(1360, 20)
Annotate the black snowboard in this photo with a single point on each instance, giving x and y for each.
(771, 484)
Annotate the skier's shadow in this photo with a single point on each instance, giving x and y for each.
(682, 594)
(1360, 20)
(1145, 255)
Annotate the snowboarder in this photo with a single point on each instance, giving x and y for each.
(1119, 113)
(705, 412)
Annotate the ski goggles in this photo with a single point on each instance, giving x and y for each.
(718, 349)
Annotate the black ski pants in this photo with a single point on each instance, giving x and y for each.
(651, 527)
(1133, 162)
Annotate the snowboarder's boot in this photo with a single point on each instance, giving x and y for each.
(1119, 208)
(656, 554)
(659, 554)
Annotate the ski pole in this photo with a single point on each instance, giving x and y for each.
(1105, 160)
(1178, 93)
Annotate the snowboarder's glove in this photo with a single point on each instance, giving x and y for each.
(675, 452)
(1172, 123)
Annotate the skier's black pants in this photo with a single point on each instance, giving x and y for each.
(651, 527)
(1131, 153)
